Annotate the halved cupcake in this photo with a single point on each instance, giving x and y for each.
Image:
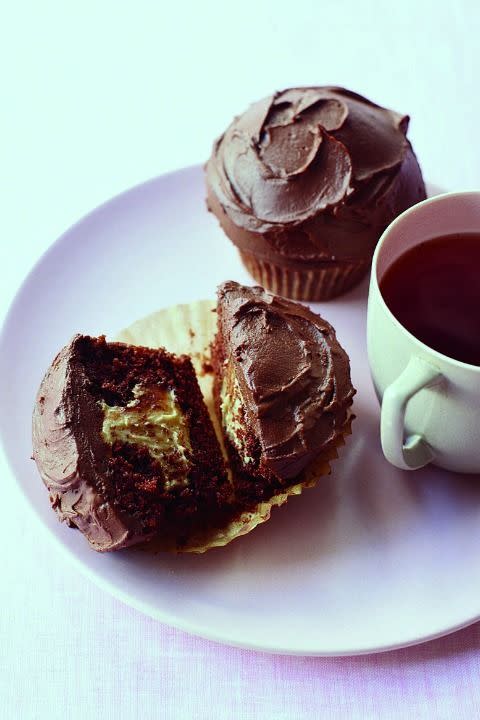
(283, 391)
(125, 445)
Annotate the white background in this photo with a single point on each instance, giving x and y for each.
(97, 96)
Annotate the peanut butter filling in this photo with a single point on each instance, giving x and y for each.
(154, 420)
(233, 414)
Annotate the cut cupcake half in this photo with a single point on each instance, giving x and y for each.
(125, 445)
(282, 389)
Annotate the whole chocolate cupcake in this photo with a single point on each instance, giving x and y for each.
(305, 182)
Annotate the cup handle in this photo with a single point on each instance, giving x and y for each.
(414, 453)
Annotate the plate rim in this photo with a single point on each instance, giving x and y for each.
(193, 629)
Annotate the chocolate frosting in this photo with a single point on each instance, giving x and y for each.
(68, 450)
(312, 175)
(293, 375)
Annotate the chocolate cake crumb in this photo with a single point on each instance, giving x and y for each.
(118, 495)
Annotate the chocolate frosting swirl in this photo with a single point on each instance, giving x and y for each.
(67, 448)
(293, 375)
(312, 174)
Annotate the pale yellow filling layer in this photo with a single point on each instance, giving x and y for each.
(154, 420)
(231, 408)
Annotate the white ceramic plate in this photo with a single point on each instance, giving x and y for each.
(371, 559)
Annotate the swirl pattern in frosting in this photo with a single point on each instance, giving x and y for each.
(312, 174)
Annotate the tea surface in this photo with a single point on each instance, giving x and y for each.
(434, 291)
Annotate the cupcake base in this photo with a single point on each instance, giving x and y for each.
(321, 283)
(248, 520)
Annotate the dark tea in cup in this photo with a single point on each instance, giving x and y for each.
(433, 290)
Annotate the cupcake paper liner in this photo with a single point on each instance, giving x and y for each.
(313, 285)
(189, 329)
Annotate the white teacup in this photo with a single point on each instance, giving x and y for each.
(430, 402)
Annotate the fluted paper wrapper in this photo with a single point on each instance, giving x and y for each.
(189, 329)
(314, 285)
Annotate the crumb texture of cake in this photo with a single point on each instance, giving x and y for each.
(282, 388)
(125, 445)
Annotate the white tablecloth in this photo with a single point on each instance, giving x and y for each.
(97, 96)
